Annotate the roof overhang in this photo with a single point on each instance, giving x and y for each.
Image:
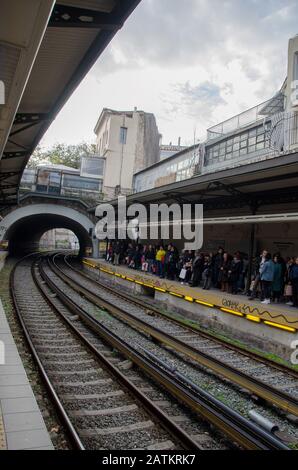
(46, 49)
(249, 186)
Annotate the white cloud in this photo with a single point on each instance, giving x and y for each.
(191, 63)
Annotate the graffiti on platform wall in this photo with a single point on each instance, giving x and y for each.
(253, 310)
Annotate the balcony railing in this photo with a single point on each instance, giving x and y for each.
(281, 138)
(89, 197)
(236, 122)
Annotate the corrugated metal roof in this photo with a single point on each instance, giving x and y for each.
(70, 42)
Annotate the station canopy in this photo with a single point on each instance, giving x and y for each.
(269, 187)
(46, 49)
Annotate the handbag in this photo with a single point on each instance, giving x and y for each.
(145, 267)
(288, 290)
(182, 274)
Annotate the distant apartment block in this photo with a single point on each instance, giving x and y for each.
(129, 142)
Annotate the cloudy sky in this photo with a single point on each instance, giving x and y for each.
(192, 63)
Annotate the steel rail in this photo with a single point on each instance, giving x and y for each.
(53, 395)
(261, 389)
(192, 329)
(232, 424)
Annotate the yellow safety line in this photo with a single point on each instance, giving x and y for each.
(206, 304)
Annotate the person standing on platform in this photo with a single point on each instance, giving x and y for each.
(117, 252)
(236, 270)
(257, 276)
(294, 281)
(172, 263)
(167, 259)
(277, 285)
(216, 266)
(267, 275)
(207, 273)
(197, 269)
(150, 258)
(225, 273)
(160, 260)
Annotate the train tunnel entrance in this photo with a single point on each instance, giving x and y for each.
(25, 235)
(24, 227)
(59, 238)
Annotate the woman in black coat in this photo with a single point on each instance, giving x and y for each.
(236, 270)
(225, 272)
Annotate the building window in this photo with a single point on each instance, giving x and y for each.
(123, 135)
(296, 66)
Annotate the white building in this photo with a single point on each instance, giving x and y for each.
(129, 142)
(59, 238)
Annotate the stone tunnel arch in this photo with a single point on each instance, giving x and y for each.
(24, 226)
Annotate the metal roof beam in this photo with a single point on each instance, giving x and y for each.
(8, 155)
(26, 118)
(8, 174)
(65, 16)
(29, 119)
(19, 145)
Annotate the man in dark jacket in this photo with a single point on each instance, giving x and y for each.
(216, 265)
(236, 270)
(197, 268)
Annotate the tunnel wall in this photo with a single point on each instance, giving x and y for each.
(24, 226)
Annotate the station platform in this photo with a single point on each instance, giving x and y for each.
(272, 327)
(21, 423)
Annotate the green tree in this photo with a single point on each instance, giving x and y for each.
(62, 154)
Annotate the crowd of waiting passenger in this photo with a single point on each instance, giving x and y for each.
(272, 278)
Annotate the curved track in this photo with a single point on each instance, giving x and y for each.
(249, 373)
(100, 407)
(234, 426)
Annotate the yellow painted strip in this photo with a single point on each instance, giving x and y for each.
(176, 295)
(204, 303)
(89, 264)
(159, 289)
(233, 312)
(281, 327)
(201, 302)
(253, 318)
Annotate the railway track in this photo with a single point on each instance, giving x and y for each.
(100, 407)
(196, 330)
(234, 426)
(275, 384)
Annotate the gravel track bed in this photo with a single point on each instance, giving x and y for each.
(128, 440)
(53, 424)
(110, 421)
(226, 392)
(201, 427)
(31, 301)
(254, 368)
(100, 404)
(51, 366)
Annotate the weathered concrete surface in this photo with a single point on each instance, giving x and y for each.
(21, 423)
(259, 335)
